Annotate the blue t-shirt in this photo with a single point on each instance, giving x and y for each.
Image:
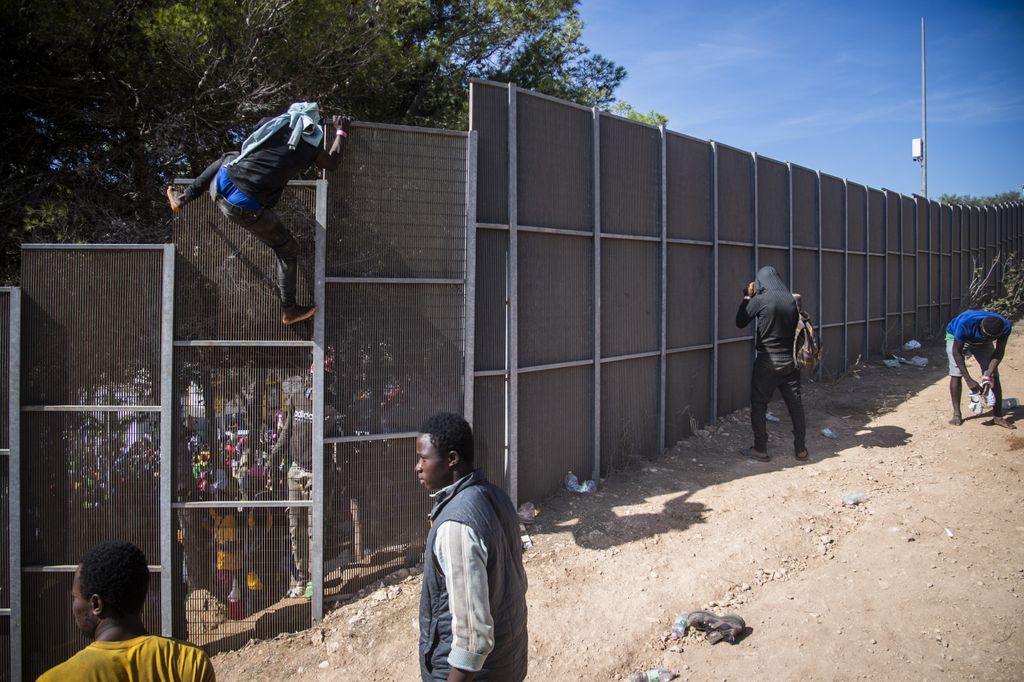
(966, 327)
(232, 194)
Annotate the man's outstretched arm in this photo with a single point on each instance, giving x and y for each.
(177, 199)
(330, 160)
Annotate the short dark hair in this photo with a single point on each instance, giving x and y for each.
(993, 326)
(118, 572)
(449, 431)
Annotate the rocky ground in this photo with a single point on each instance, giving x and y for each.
(923, 580)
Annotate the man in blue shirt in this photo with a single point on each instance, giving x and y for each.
(984, 335)
(249, 184)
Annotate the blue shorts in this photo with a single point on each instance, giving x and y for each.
(982, 352)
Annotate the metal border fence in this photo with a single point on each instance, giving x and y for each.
(643, 225)
(570, 276)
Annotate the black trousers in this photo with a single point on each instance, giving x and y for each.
(266, 226)
(765, 379)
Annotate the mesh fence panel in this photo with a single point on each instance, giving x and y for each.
(805, 280)
(832, 351)
(630, 296)
(777, 259)
(687, 387)
(94, 477)
(629, 412)
(375, 512)
(397, 354)
(555, 164)
(94, 320)
(856, 217)
(735, 362)
(876, 221)
(5, 368)
(856, 288)
(489, 117)
(855, 347)
(556, 417)
(832, 205)
(688, 181)
(237, 568)
(489, 427)
(226, 279)
(689, 298)
(491, 294)
(736, 268)
(556, 299)
(5, 541)
(735, 195)
(371, 233)
(805, 206)
(232, 439)
(772, 202)
(630, 177)
(833, 287)
(876, 286)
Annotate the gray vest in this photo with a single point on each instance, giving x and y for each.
(487, 510)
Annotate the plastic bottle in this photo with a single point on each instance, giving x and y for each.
(853, 499)
(236, 610)
(975, 405)
(658, 675)
(573, 484)
(679, 627)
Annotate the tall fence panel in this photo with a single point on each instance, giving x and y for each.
(10, 307)
(243, 470)
(398, 255)
(91, 407)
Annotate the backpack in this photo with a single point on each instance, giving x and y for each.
(806, 347)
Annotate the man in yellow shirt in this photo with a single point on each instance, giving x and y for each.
(107, 596)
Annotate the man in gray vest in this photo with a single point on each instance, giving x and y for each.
(473, 605)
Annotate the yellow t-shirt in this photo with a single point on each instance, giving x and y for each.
(141, 659)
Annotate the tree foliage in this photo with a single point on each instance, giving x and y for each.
(627, 110)
(108, 100)
(968, 200)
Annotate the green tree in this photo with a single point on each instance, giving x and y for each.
(968, 200)
(627, 110)
(108, 100)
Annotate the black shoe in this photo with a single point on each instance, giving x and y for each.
(297, 313)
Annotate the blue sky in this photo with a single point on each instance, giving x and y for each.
(835, 86)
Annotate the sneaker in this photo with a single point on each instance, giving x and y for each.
(297, 313)
(308, 593)
(174, 199)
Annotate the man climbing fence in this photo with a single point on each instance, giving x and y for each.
(247, 185)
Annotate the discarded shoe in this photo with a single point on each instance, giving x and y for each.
(297, 313)
(727, 627)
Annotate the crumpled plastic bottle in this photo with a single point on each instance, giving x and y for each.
(573, 484)
(974, 402)
(679, 627)
(658, 675)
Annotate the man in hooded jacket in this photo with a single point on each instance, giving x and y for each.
(768, 300)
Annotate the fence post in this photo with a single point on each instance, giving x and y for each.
(512, 417)
(469, 288)
(713, 411)
(663, 215)
(817, 205)
(316, 547)
(846, 275)
(595, 178)
(167, 445)
(14, 479)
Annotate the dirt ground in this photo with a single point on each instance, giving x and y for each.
(922, 581)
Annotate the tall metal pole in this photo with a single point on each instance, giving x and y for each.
(924, 117)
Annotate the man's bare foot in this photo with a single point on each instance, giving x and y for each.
(1001, 421)
(174, 199)
(957, 420)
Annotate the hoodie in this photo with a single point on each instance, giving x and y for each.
(774, 308)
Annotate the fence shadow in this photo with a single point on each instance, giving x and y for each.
(621, 511)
